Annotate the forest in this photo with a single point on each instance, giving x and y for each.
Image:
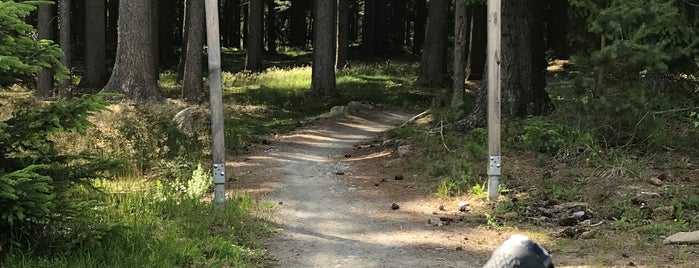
(105, 130)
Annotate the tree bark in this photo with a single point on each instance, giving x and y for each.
(64, 38)
(323, 83)
(461, 43)
(253, 61)
(433, 66)
(419, 26)
(523, 66)
(479, 40)
(353, 7)
(192, 86)
(155, 15)
(342, 33)
(246, 23)
(271, 26)
(297, 24)
(45, 26)
(95, 75)
(134, 75)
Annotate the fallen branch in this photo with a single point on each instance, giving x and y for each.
(412, 119)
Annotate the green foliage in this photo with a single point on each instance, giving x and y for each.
(21, 54)
(39, 184)
(641, 35)
(546, 137)
(137, 228)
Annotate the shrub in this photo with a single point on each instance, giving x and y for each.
(42, 189)
(546, 137)
(22, 55)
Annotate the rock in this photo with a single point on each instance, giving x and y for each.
(395, 206)
(376, 184)
(624, 255)
(403, 150)
(632, 263)
(383, 180)
(655, 181)
(588, 234)
(463, 204)
(459, 248)
(348, 155)
(441, 207)
(663, 213)
(510, 216)
(579, 214)
(587, 222)
(398, 177)
(575, 205)
(662, 177)
(683, 238)
(340, 173)
(192, 120)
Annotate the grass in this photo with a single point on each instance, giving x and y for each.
(146, 225)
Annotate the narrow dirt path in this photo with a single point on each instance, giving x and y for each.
(332, 211)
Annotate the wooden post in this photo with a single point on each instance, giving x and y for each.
(218, 148)
(494, 158)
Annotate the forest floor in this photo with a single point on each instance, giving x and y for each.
(331, 185)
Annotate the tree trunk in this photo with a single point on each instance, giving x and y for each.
(479, 40)
(233, 23)
(95, 75)
(369, 29)
(246, 23)
(111, 34)
(253, 61)
(433, 66)
(382, 25)
(523, 65)
(45, 25)
(64, 38)
(271, 26)
(353, 21)
(557, 28)
(419, 26)
(166, 34)
(155, 15)
(192, 86)
(297, 23)
(461, 43)
(185, 33)
(398, 8)
(342, 33)
(133, 74)
(323, 82)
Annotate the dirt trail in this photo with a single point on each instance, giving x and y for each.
(331, 211)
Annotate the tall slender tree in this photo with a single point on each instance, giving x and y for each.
(461, 42)
(253, 61)
(185, 32)
(46, 13)
(133, 74)
(420, 17)
(271, 26)
(95, 75)
(298, 34)
(523, 65)
(369, 29)
(64, 38)
(343, 27)
(193, 86)
(433, 66)
(479, 36)
(323, 83)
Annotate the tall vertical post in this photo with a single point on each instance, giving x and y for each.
(494, 158)
(218, 148)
